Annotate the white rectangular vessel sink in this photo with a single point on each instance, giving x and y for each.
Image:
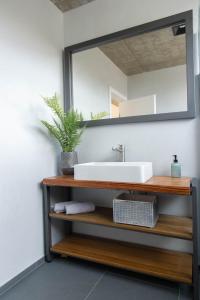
(138, 172)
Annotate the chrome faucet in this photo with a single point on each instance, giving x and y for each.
(121, 149)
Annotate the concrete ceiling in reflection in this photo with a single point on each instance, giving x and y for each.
(65, 5)
(147, 52)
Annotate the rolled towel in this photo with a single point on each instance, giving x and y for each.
(60, 206)
(79, 207)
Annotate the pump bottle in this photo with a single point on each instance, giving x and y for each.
(175, 167)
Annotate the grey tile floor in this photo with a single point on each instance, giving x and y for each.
(71, 279)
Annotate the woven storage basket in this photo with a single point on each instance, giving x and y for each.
(141, 210)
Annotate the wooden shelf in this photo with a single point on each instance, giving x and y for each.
(157, 184)
(171, 265)
(180, 227)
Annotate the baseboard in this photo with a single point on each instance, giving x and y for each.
(11, 283)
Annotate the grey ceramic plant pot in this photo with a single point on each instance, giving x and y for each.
(68, 160)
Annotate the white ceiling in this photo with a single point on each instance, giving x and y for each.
(65, 5)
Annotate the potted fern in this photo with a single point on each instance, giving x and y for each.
(67, 130)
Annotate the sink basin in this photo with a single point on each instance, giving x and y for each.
(138, 172)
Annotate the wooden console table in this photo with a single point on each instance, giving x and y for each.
(171, 265)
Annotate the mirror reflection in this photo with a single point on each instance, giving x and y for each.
(140, 75)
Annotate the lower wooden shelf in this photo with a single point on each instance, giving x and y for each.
(171, 265)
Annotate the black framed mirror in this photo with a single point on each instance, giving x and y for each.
(140, 74)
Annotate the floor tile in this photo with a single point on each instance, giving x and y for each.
(63, 279)
(115, 286)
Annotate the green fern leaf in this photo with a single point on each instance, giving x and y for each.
(67, 128)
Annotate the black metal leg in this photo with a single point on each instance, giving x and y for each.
(195, 267)
(47, 223)
(69, 223)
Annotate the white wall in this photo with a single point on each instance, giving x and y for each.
(155, 141)
(93, 74)
(169, 85)
(31, 43)
(102, 17)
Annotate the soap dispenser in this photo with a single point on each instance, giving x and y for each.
(175, 168)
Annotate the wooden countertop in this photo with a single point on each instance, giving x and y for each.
(157, 184)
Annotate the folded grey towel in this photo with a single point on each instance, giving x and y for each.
(60, 206)
(79, 207)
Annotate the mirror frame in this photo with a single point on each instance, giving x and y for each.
(186, 17)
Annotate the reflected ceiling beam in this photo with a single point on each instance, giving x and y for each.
(147, 52)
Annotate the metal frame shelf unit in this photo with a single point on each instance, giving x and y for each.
(171, 265)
